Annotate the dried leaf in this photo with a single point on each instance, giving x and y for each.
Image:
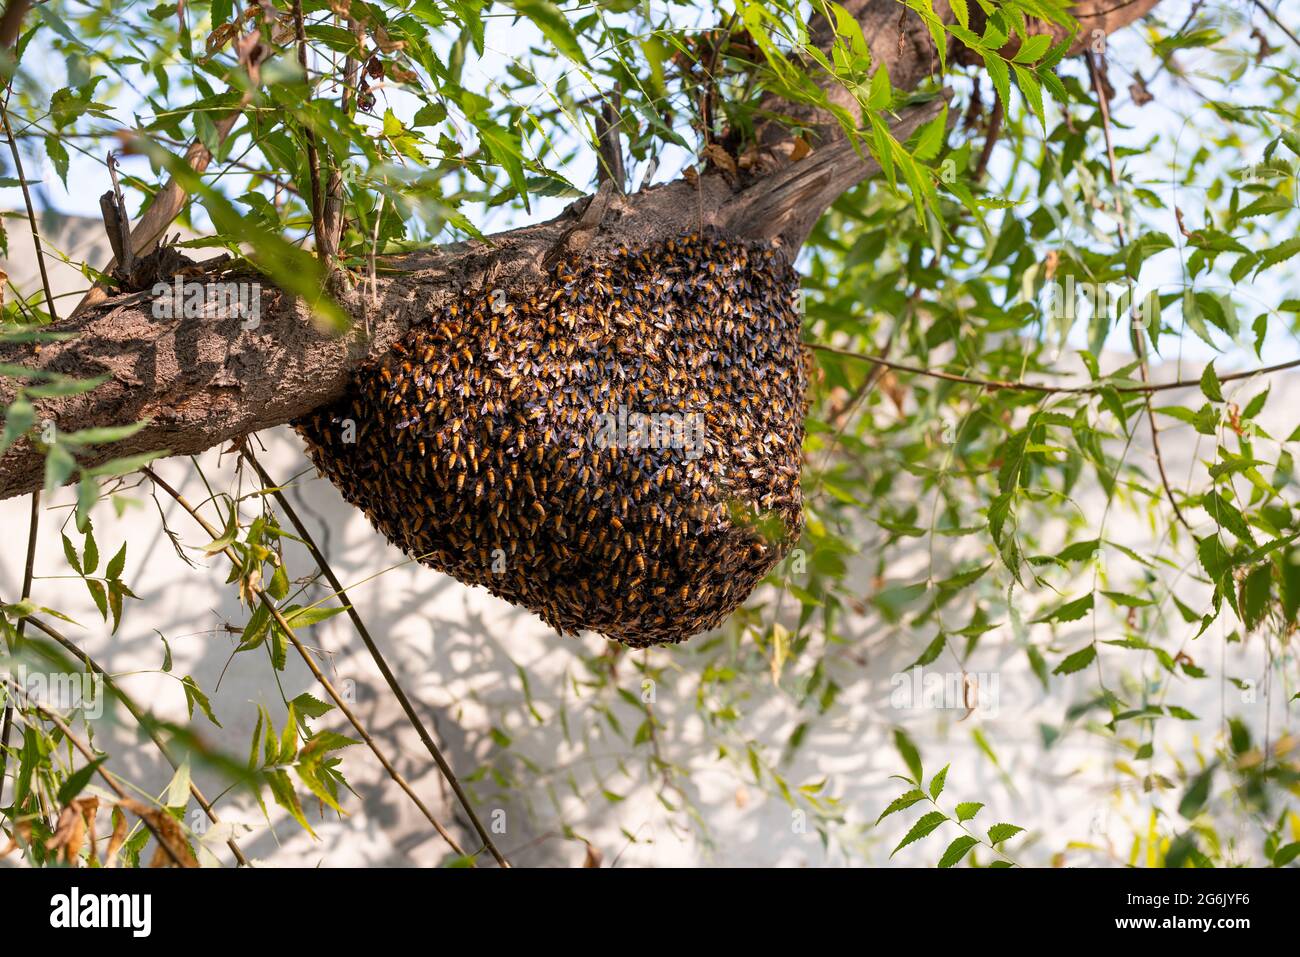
(720, 158)
(70, 831)
(168, 832)
(117, 839)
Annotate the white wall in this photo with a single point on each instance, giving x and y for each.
(456, 651)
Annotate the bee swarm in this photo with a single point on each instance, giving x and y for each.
(476, 445)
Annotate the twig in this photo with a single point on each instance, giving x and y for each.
(708, 98)
(127, 258)
(8, 720)
(145, 721)
(374, 252)
(1000, 384)
(31, 210)
(1135, 333)
(325, 683)
(313, 158)
(339, 592)
(1278, 23)
(12, 21)
(995, 127)
(609, 144)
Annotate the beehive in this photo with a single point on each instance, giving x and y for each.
(499, 441)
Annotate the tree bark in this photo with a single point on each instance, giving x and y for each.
(203, 381)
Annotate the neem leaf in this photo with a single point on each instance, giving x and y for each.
(911, 756)
(1210, 384)
(936, 783)
(902, 802)
(1000, 832)
(1070, 611)
(1077, 661)
(1197, 794)
(920, 829)
(957, 850)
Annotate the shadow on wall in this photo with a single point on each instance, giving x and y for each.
(571, 772)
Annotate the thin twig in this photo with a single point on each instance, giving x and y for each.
(144, 720)
(1135, 333)
(1280, 25)
(995, 385)
(313, 158)
(319, 557)
(31, 210)
(325, 683)
(6, 724)
(995, 127)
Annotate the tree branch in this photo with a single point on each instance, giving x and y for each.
(202, 381)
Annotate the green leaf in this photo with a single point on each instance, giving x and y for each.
(20, 417)
(59, 466)
(881, 92)
(194, 696)
(70, 553)
(303, 617)
(310, 707)
(932, 651)
(1001, 77)
(90, 557)
(936, 783)
(911, 757)
(103, 435)
(902, 802)
(322, 742)
(116, 564)
(1000, 832)
(278, 586)
(1070, 611)
(1126, 600)
(967, 810)
(1210, 384)
(125, 465)
(87, 496)
(553, 24)
(1279, 253)
(58, 157)
(1255, 593)
(957, 850)
(1033, 92)
(1197, 794)
(1077, 661)
(77, 781)
(285, 796)
(99, 595)
(920, 829)
(178, 789)
(1286, 854)
(1033, 49)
